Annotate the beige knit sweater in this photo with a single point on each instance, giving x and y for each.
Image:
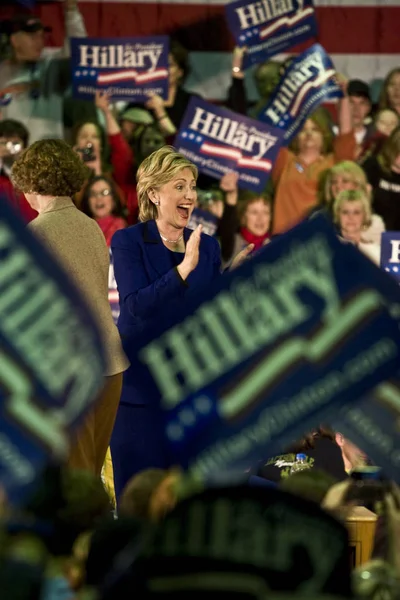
(79, 245)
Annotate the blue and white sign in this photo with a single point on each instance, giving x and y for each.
(303, 328)
(52, 360)
(218, 140)
(373, 424)
(203, 217)
(270, 27)
(309, 81)
(390, 253)
(128, 69)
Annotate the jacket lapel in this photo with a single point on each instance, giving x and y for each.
(156, 252)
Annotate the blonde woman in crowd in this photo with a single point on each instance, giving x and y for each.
(49, 173)
(352, 214)
(348, 175)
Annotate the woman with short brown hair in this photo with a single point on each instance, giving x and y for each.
(49, 172)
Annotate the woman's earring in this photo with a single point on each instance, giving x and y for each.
(156, 203)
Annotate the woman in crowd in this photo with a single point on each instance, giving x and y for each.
(102, 202)
(352, 214)
(159, 265)
(383, 173)
(169, 113)
(49, 172)
(390, 94)
(297, 170)
(348, 175)
(254, 215)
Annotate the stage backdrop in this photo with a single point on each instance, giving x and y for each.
(361, 35)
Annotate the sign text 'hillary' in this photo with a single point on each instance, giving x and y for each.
(218, 140)
(128, 68)
(268, 27)
(307, 82)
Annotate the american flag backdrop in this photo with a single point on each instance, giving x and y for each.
(362, 36)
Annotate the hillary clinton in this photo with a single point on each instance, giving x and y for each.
(159, 265)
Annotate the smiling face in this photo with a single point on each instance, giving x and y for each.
(310, 137)
(176, 199)
(341, 182)
(101, 201)
(351, 217)
(257, 218)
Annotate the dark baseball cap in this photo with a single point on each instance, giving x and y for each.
(357, 87)
(26, 23)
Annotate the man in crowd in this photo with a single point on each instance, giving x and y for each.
(32, 83)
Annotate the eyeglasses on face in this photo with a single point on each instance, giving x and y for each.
(100, 194)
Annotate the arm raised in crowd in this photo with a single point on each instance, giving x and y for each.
(74, 26)
(121, 153)
(237, 97)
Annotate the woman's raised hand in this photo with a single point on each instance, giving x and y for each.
(192, 253)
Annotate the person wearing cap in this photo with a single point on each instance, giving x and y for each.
(32, 84)
(132, 121)
(360, 106)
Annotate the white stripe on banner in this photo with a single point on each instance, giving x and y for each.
(210, 75)
(331, 3)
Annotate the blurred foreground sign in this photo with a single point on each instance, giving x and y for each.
(298, 332)
(51, 358)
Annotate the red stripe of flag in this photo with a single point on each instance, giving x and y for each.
(342, 30)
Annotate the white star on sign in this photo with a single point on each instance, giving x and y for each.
(187, 417)
(84, 72)
(174, 432)
(77, 73)
(184, 134)
(93, 72)
(249, 34)
(191, 136)
(395, 269)
(203, 405)
(242, 38)
(199, 139)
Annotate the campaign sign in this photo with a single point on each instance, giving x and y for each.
(52, 360)
(390, 253)
(127, 68)
(307, 82)
(373, 424)
(113, 296)
(268, 27)
(203, 217)
(270, 349)
(218, 140)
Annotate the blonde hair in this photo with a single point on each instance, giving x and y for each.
(390, 150)
(345, 168)
(353, 196)
(155, 171)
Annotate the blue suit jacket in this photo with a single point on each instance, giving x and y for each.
(149, 286)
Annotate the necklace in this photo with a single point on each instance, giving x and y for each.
(170, 241)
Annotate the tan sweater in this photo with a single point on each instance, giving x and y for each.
(78, 243)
